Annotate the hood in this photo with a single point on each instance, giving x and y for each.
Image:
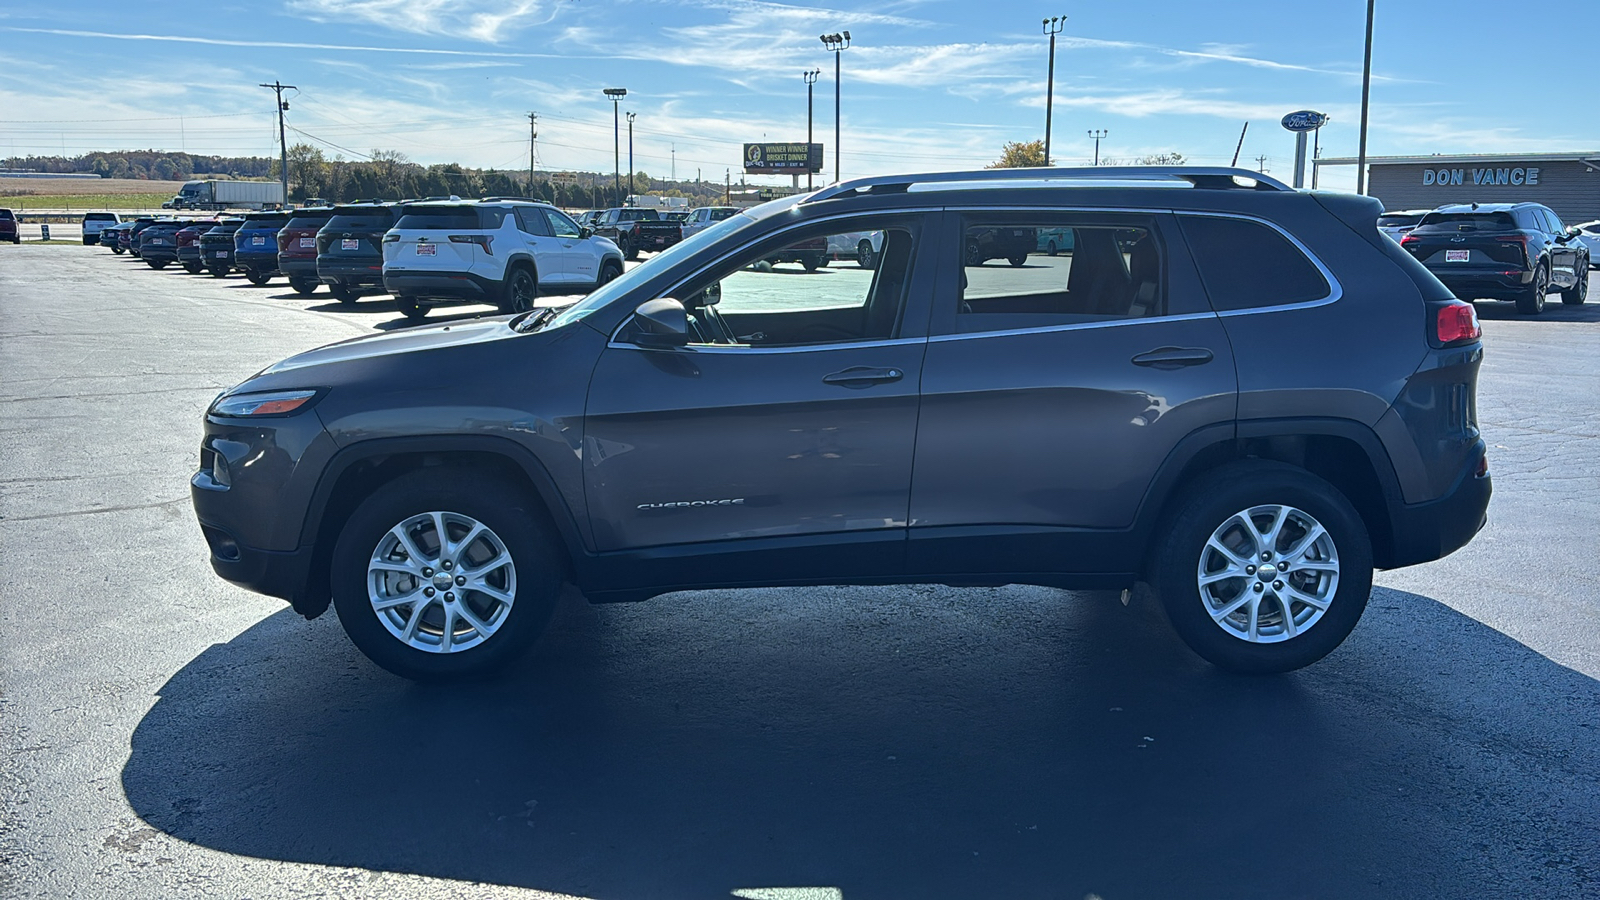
(407, 340)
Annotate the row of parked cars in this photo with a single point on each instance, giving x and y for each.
(1499, 251)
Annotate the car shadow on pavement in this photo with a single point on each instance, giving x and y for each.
(917, 742)
(1554, 311)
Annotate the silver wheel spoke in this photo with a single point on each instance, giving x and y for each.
(494, 592)
(410, 632)
(444, 536)
(1232, 557)
(466, 542)
(1269, 538)
(1288, 615)
(470, 619)
(392, 602)
(1300, 596)
(1316, 566)
(1304, 544)
(1253, 631)
(405, 568)
(1249, 593)
(1224, 575)
(500, 559)
(447, 636)
(1231, 608)
(411, 549)
(406, 615)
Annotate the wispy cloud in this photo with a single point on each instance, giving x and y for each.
(491, 21)
(278, 45)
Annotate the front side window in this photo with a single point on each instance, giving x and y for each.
(1246, 264)
(790, 292)
(1085, 273)
(560, 225)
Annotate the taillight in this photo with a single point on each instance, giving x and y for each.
(1520, 240)
(482, 240)
(1456, 321)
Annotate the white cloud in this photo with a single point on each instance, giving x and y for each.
(491, 21)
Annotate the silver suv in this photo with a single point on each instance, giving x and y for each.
(505, 252)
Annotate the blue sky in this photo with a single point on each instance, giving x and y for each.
(928, 84)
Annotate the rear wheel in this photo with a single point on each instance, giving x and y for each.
(342, 293)
(812, 262)
(219, 271)
(193, 268)
(257, 278)
(1531, 303)
(444, 574)
(865, 257)
(1578, 293)
(410, 308)
(156, 263)
(1017, 261)
(520, 291)
(118, 250)
(1051, 248)
(302, 286)
(1263, 567)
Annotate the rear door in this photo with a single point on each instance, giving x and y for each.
(1054, 390)
(1564, 251)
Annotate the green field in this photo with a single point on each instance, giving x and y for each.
(85, 201)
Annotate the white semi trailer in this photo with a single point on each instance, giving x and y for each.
(227, 195)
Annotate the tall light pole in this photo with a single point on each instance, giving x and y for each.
(1366, 96)
(616, 95)
(811, 79)
(1052, 27)
(1098, 134)
(283, 146)
(838, 43)
(631, 117)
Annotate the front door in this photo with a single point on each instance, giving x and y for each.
(1055, 386)
(789, 422)
(549, 254)
(580, 258)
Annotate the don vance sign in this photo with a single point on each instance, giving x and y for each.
(1481, 176)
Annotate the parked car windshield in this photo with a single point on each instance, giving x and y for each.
(627, 282)
(266, 222)
(312, 220)
(364, 219)
(436, 217)
(1469, 221)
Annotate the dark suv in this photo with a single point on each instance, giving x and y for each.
(350, 248)
(1502, 251)
(1245, 395)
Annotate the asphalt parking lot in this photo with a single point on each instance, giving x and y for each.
(164, 734)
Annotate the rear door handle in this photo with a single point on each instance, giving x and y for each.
(1174, 357)
(862, 376)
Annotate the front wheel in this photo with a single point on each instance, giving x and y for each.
(1578, 294)
(445, 574)
(1531, 302)
(866, 258)
(1263, 567)
(629, 251)
(609, 272)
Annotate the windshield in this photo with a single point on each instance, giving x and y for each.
(1497, 221)
(1391, 220)
(380, 220)
(266, 222)
(628, 281)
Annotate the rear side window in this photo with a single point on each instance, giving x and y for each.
(1246, 265)
(440, 217)
(1027, 274)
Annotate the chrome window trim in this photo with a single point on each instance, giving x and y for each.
(1074, 326)
(1335, 289)
(746, 349)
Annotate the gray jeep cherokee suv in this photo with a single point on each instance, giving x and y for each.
(1244, 395)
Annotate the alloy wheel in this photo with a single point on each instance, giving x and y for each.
(441, 582)
(1268, 573)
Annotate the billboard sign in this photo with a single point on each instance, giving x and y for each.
(782, 159)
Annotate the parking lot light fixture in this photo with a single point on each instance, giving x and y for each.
(811, 79)
(616, 95)
(631, 186)
(1052, 27)
(838, 43)
(1098, 134)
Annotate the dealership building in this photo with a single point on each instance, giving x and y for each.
(1568, 183)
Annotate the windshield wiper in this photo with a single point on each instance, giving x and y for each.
(535, 320)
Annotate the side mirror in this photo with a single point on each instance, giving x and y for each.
(585, 232)
(660, 324)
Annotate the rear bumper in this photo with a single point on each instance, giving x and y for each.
(1493, 283)
(167, 253)
(1424, 532)
(350, 272)
(440, 285)
(259, 262)
(298, 266)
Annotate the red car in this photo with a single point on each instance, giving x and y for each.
(9, 231)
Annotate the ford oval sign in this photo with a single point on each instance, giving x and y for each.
(1304, 120)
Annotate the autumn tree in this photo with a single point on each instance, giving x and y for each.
(1021, 155)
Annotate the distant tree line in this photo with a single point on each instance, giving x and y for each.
(385, 174)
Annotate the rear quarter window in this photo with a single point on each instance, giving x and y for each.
(1247, 265)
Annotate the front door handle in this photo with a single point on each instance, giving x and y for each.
(1174, 357)
(862, 376)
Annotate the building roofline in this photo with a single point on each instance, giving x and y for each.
(1591, 156)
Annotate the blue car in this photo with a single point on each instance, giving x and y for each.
(255, 245)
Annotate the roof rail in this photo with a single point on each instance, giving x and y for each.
(1197, 176)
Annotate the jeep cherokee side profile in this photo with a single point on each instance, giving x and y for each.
(1245, 395)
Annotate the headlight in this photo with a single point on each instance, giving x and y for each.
(270, 403)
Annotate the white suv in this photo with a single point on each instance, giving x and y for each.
(95, 222)
(504, 252)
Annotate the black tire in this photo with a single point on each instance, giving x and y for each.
(1531, 301)
(1051, 248)
(1018, 261)
(610, 270)
(193, 268)
(219, 271)
(257, 278)
(118, 250)
(342, 293)
(303, 287)
(974, 255)
(510, 516)
(866, 257)
(812, 262)
(410, 308)
(156, 264)
(1578, 294)
(520, 290)
(629, 251)
(1182, 548)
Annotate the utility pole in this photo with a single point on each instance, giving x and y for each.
(811, 79)
(1261, 164)
(631, 186)
(674, 162)
(283, 146)
(533, 140)
(1052, 27)
(838, 43)
(1366, 97)
(1097, 134)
